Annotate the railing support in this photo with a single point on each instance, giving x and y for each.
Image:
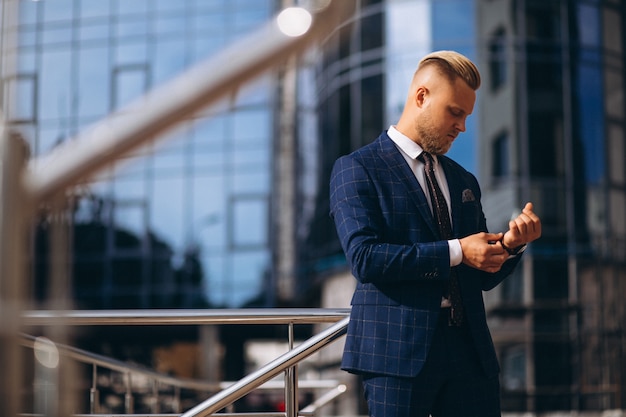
(269, 371)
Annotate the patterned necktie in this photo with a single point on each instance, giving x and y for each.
(440, 211)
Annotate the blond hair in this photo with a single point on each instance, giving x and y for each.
(452, 65)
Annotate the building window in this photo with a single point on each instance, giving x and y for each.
(497, 59)
(21, 92)
(129, 83)
(514, 368)
(500, 152)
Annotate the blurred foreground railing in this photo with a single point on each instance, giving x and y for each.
(26, 185)
(230, 392)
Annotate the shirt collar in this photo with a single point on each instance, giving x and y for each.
(403, 142)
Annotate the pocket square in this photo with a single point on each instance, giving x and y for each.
(468, 195)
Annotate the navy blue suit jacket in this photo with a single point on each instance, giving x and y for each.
(393, 247)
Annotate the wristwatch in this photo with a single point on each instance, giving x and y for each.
(514, 251)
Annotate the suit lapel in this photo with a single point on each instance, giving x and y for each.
(397, 165)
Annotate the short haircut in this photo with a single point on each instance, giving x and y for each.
(453, 65)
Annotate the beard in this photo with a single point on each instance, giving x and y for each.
(430, 139)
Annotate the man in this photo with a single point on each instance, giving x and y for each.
(411, 224)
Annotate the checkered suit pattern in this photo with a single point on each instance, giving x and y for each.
(390, 240)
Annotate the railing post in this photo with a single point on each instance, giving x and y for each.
(291, 383)
(94, 394)
(128, 397)
(14, 211)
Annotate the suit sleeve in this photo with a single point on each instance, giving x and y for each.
(365, 219)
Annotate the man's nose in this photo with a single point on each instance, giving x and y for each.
(460, 126)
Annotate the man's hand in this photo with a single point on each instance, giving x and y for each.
(481, 251)
(523, 229)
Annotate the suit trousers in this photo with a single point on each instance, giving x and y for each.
(452, 382)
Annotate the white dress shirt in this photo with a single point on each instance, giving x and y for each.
(410, 151)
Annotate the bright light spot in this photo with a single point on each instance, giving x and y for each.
(294, 21)
(341, 388)
(46, 352)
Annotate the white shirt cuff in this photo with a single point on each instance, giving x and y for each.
(456, 253)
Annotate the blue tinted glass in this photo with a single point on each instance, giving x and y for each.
(27, 11)
(588, 26)
(249, 222)
(54, 84)
(591, 121)
(58, 10)
(170, 59)
(95, 8)
(94, 81)
(132, 7)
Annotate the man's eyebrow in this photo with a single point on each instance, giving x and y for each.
(457, 109)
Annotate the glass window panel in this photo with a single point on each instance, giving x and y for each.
(209, 220)
(214, 22)
(209, 161)
(21, 98)
(166, 206)
(130, 189)
(201, 5)
(58, 10)
(248, 19)
(250, 218)
(137, 26)
(28, 11)
(173, 161)
(170, 24)
(249, 182)
(132, 7)
(258, 92)
(500, 155)
(207, 45)
(130, 216)
(251, 159)
(590, 110)
(49, 136)
(251, 126)
(94, 31)
(95, 8)
(588, 25)
(617, 154)
(215, 272)
(208, 134)
(129, 83)
(170, 59)
(248, 271)
(93, 81)
(514, 368)
(57, 34)
(26, 62)
(54, 84)
(131, 53)
(497, 59)
(26, 38)
(169, 5)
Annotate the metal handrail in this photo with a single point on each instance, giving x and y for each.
(180, 317)
(269, 371)
(231, 392)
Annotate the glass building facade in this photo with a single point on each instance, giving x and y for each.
(552, 127)
(549, 128)
(193, 207)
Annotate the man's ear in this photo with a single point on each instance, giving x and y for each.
(420, 96)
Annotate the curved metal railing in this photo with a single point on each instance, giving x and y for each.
(227, 393)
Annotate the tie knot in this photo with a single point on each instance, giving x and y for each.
(426, 158)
